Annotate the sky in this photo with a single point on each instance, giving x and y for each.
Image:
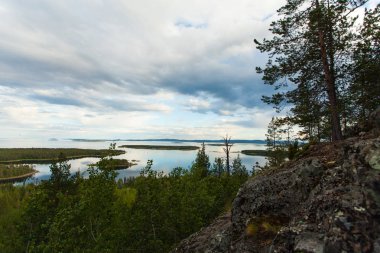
(133, 69)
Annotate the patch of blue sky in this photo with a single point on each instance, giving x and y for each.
(185, 23)
(267, 17)
(237, 60)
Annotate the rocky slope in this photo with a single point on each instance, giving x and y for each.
(326, 201)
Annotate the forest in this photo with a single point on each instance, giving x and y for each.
(150, 213)
(324, 65)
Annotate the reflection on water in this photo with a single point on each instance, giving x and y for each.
(163, 160)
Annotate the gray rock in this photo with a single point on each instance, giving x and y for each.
(373, 159)
(212, 239)
(327, 201)
(309, 243)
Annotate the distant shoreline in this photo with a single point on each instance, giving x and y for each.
(170, 140)
(50, 155)
(160, 147)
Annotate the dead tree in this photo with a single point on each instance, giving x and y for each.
(227, 148)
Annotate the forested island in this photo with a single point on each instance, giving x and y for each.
(255, 152)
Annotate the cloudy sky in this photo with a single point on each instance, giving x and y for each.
(133, 69)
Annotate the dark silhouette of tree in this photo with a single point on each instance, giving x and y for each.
(226, 149)
(218, 167)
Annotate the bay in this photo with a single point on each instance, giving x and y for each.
(163, 160)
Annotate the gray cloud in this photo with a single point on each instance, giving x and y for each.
(79, 44)
(57, 100)
(242, 89)
(110, 57)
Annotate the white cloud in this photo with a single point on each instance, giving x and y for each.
(131, 67)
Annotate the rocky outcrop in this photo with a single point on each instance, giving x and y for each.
(327, 201)
(214, 238)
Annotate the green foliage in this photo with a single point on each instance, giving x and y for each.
(116, 164)
(13, 170)
(293, 149)
(281, 144)
(201, 166)
(275, 144)
(126, 196)
(169, 208)
(364, 92)
(238, 169)
(218, 168)
(150, 213)
(322, 67)
(60, 173)
(68, 214)
(11, 203)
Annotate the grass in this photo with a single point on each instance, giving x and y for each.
(160, 147)
(50, 155)
(255, 152)
(15, 172)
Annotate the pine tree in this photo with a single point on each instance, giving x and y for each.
(218, 167)
(310, 52)
(275, 145)
(238, 168)
(201, 166)
(364, 93)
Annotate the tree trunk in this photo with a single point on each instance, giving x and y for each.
(227, 151)
(228, 163)
(330, 85)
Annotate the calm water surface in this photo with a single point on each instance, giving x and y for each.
(163, 160)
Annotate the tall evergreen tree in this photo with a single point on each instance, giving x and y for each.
(310, 50)
(218, 167)
(238, 168)
(201, 166)
(275, 145)
(364, 93)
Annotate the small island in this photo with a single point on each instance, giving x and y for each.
(160, 147)
(50, 155)
(255, 152)
(117, 164)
